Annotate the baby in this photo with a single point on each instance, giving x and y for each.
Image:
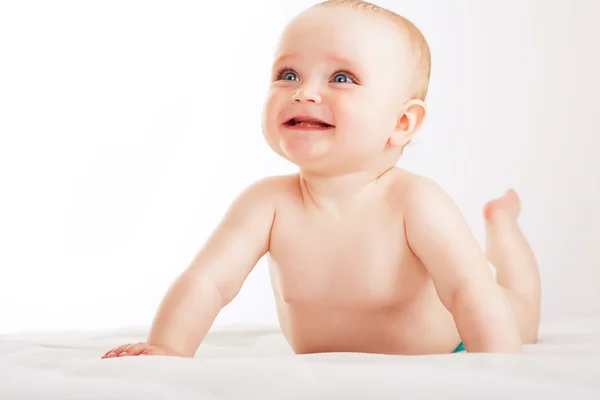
(363, 256)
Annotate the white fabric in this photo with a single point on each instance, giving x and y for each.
(251, 363)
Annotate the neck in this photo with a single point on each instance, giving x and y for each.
(336, 191)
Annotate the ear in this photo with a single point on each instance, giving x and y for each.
(409, 122)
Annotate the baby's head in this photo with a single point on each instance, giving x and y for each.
(348, 87)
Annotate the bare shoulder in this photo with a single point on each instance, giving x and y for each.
(250, 216)
(416, 192)
(429, 214)
(434, 224)
(266, 192)
(277, 185)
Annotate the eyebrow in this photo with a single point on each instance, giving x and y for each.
(337, 59)
(282, 58)
(342, 60)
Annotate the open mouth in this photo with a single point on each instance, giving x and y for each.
(307, 123)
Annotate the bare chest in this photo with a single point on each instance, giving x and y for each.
(362, 260)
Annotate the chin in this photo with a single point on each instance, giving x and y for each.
(299, 148)
(305, 152)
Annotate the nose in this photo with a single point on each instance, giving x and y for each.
(306, 94)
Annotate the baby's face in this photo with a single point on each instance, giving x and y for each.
(337, 88)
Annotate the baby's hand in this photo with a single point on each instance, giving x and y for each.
(137, 349)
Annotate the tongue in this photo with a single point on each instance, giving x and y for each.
(311, 125)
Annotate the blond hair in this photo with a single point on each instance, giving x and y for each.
(419, 48)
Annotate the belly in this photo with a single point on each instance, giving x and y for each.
(370, 313)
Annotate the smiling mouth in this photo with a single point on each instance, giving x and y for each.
(306, 123)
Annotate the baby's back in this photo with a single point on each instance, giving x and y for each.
(347, 280)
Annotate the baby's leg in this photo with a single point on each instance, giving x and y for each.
(517, 270)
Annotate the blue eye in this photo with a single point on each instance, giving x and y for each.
(342, 78)
(290, 76)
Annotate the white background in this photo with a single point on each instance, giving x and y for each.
(128, 127)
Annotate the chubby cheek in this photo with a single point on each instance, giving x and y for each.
(359, 124)
(270, 118)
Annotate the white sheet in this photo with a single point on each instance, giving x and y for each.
(252, 363)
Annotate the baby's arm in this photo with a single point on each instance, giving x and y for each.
(217, 273)
(439, 236)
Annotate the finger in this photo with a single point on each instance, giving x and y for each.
(118, 350)
(134, 349)
(154, 351)
(108, 352)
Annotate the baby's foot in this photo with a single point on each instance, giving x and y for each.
(507, 206)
